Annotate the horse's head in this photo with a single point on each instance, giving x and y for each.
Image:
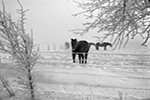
(73, 43)
(111, 45)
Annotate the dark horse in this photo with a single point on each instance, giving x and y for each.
(81, 48)
(104, 44)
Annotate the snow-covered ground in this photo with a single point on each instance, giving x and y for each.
(107, 74)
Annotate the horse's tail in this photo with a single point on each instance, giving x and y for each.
(89, 44)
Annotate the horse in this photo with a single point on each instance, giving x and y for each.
(81, 48)
(104, 44)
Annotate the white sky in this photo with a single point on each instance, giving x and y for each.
(50, 20)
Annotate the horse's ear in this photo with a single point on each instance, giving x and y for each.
(73, 39)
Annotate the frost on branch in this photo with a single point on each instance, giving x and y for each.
(15, 41)
(121, 20)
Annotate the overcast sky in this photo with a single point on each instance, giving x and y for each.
(50, 20)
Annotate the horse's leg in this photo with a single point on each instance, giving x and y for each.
(86, 55)
(83, 58)
(80, 58)
(97, 47)
(105, 47)
(73, 57)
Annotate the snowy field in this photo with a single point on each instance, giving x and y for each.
(108, 75)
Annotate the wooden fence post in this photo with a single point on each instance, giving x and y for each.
(48, 48)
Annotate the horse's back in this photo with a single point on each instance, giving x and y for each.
(85, 43)
(82, 46)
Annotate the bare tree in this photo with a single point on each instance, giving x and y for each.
(19, 44)
(120, 20)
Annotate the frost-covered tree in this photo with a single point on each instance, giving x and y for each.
(16, 42)
(120, 20)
